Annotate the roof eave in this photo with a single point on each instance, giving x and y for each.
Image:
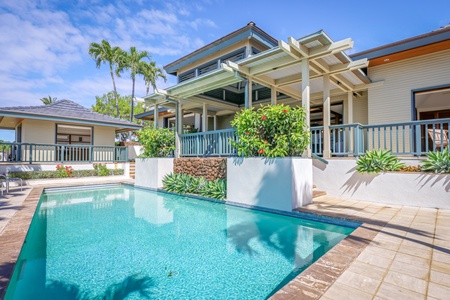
(62, 119)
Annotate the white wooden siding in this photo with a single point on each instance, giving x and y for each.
(391, 102)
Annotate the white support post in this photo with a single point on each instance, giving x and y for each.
(155, 116)
(326, 117)
(197, 121)
(350, 118)
(306, 98)
(179, 129)
(215, 122)
(273, 96)
(205, 118)
(248, 93)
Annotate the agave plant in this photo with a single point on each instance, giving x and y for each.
(378, 161)
(185, 184)
(437, 162)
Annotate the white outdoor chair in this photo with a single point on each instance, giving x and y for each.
(7, 180)
(439, 137)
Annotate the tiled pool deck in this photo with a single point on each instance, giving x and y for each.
(399, 252)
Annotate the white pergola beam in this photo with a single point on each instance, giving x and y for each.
(302, 49)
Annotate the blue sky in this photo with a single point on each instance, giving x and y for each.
(44, 43)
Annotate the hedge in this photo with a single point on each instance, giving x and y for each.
(53, 174)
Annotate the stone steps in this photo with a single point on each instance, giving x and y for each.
(318, 193)
(132, 170)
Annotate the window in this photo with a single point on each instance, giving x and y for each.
(73, 135)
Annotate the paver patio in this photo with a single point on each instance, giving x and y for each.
(399, 252)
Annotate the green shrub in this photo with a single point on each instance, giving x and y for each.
(63, 171)
(184, 184)
(437, 162)
(53, 174)
(157, 142)
(271, 131)
(378, 161)
(101, 170)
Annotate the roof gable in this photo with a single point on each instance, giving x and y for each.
(250, 30)
(65, 110)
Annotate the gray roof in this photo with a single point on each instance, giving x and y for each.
(66, 110)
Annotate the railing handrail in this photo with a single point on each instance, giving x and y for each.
(208, 132)
(418, 122)
(66, 145)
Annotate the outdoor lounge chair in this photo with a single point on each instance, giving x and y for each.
(439, 137)
(7, 180)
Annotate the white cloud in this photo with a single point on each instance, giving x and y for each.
(44, 48)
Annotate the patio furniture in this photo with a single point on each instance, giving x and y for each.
(439, 137)
(8, 180)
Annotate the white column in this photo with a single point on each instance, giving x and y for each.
(350, 117)
(205, 118)
(306, 98)
(215, 122)
(179, 127)
(273, 96)
(197, 121)
(155, 116)
(326, 116)
(248, 93)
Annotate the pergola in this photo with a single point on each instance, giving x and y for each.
(312, 67)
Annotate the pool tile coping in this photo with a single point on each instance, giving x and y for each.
(313, 282)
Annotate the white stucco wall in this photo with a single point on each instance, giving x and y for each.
(340, 179)
(149, 172)
(38, 131)
(281, 183)
(104, 136)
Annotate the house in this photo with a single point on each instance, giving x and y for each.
(63, 131)
(394, 97)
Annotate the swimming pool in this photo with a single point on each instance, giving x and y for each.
(124, 241)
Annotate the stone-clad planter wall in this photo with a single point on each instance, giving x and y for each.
(209, 168)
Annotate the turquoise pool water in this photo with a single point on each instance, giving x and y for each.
(120, 241)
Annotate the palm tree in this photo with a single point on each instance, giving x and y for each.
(151, 73)
(48, 100)
(104, 53)
(132, 61)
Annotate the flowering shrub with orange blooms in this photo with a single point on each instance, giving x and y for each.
(63, 171)
(271, 131)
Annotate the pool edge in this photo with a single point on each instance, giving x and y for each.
(311, 283)
(13, 235)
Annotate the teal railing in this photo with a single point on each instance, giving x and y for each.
(404, 138)
(210, 143)
(32, 153)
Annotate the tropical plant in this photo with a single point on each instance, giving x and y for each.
(185, 184)
(157, 142)
(132, 61)
(271, 131)
(106, 105)
(48, 100)
(377, 161)
(104, 53)
(101, 170)
(63, 171)
(151, 73)
(437, 162)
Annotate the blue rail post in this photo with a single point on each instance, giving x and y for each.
(418, 138)
(31, 153)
